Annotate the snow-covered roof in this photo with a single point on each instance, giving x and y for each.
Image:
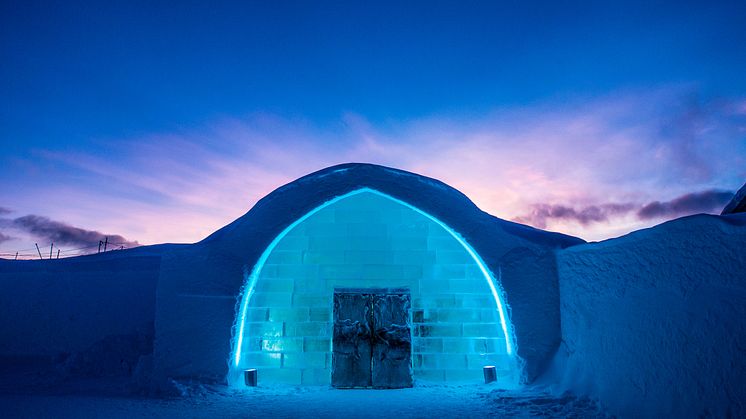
(291, 201)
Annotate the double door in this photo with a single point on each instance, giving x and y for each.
(372, 339)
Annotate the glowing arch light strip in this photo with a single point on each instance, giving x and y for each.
(251, 279)
(478, 260)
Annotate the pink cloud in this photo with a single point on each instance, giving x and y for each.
(630, 147)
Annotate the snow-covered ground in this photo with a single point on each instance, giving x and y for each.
(107, 399)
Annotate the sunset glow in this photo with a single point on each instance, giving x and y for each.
(161, 161)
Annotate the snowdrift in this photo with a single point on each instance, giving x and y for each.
(653, 322)
(90, 315)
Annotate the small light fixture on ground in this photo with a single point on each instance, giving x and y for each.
(249, 377)
(490, 375)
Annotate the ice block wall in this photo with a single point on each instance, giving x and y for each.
(369, 240)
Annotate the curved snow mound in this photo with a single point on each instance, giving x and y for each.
(653, 322)
(293, 200)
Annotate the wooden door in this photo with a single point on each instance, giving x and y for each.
(351, 343)
(392, 347)
(371, 342)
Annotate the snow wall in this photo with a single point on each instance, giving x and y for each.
(201, 285)
(92, 315)
(653, 322)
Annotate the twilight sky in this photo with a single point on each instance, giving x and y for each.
(152, 124)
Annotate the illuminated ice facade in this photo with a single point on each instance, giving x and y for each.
(260, 292)
(366, 239)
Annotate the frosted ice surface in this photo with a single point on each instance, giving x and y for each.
(202, 401)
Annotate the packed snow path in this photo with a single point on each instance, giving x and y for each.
(293, 402)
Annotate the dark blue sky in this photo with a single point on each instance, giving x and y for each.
(75, 71)
(573, 98)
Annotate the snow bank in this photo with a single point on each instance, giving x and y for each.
(653, 322)
(93, 314)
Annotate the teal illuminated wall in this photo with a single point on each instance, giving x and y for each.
(367, 239)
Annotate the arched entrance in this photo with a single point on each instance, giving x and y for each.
(369, 240)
